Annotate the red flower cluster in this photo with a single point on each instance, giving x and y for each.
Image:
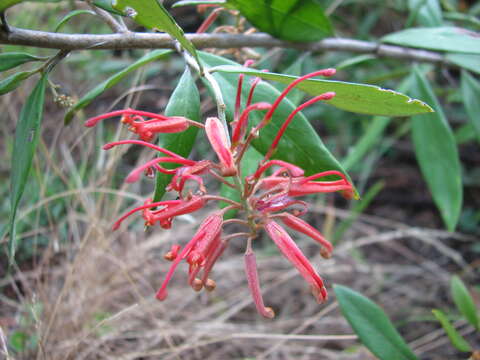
(269, 196)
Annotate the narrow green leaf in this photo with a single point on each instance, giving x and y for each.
(373, 135)
(185, 101)
(456, 339)
(13, 81)
(359, 207)
(359, 98)
(13, 59)
(372, 326)
(107, 6)
(465, 19)
(70, 15)
(464, 301)
(152, 15)
(292, 20)
(426, 12)
(26, 139)
(471, 99)
(452, 39)
(437, 154)
(113, 80)
(355, 60)
(249, 165)
(467, 61)
(200, 2)
(465, 134)
(300, 140)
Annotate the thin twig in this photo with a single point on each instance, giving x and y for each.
(109, 19)
(136, 40)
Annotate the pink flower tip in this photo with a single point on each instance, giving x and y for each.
(161, 294)
(90, 122)
(218, 139)
(329, 72)
(328, 95)
(133, 177)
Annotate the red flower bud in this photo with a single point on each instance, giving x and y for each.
(218, 139)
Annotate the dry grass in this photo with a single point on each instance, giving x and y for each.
(90, 293)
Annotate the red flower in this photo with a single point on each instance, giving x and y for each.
(269, 193)
(146, 129)
(201, 252)
(291, 251)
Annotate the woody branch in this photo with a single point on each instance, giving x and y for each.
(131, 40)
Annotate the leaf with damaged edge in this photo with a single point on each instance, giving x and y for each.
(113, 80)
(358, 98)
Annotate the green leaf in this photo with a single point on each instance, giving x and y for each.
(456, 339)
(358, 98)
(426, 12)
(249, 165)
(300, 140)
(113, 80)
(152, 15)
(372, 325)
(26, 139)
(13, 59)
(368, 140)
(372, 136)
(70, 15)
(437, 154)
(464, 301)
(452, 39)
(200, 2)
(107, 6)
(185, 101)
(355, 60)
(13, 81)
(467, 61)
(471, 94)
(295, 69)
(292, 20)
